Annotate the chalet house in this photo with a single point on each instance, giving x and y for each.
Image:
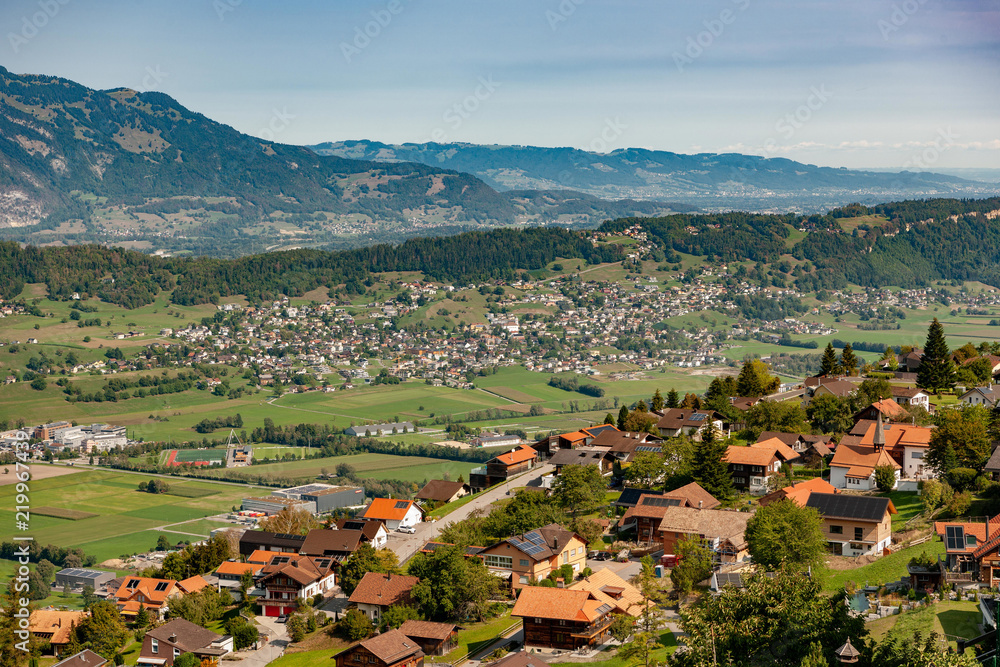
(984, 396)
(54, 627)
(85, 658)
(722, 530)
(987, 556)
(838, 388)
(676, 422)
(443, 492)
(784, 452)
(335, 544)
(630, 497)
(373, 532)
(962, 539)
(622, 445)
(376, 592)
(853, 467)
(535, 554)
(230, 574)
(854, 525)
(561, 618)
(911, 396)
(433, 638)
(252, 540)
(608, 587)
(393, 513)
(162, 645)
(582, 457)
(752, 467)
(887, 408)
(501, 468)
(799, 492)
(290, 577)
(906, 444)
(909, 362)
(389, 649)
(152, 594)
(648, 511)
(799, 442)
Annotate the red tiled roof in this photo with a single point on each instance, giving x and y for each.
(519, 455)
(383, 589)
(388, 509)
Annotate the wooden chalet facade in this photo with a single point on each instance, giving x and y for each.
(389, 649)
(501, 468)
(563, 619)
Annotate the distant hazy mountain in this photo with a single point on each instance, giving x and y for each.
(708, 180)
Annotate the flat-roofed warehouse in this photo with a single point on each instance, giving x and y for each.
(77, 577)
(327, 497)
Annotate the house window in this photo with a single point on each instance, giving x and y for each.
(523, 579)
(916, 455)
(738, 466)
(837, 530)
(562, 621)
(859, 533)
(154, 646)
(524, 562)
(505, 562)
(565, 557)
(557, 637)
(538, 621)
(177, 651)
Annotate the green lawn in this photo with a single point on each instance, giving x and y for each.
(478, 636)
(949, 619)
(319, 658)
(907, 504)
(885, 569)
(447, 509)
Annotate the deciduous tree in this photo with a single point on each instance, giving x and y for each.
(785, 534)
(755, 379)
(579, 488)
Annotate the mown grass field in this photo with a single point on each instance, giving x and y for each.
(125, 519)
(950, 620)
(885, 569)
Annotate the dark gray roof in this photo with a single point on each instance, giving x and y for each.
(579, 457)
(85, 658)
(262, 538)
(843, 506)
(993, 465)
(630, 497)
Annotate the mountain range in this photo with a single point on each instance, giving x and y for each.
(709, 180)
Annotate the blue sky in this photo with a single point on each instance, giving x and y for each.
(856, 83)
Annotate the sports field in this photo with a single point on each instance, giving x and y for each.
(122, 519)
(201, 457)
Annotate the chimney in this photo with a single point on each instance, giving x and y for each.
(700, 503)
(555, 542)
(878, 440)
(172, 638)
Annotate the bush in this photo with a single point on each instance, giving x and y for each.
(960, 503)
(355, 626)
(962, 478)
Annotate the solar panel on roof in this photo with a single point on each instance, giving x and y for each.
(698, 417)
(535, 537)
(647, 448)
(604, 608)
(657, 501)
(402, 504)
(161, 586)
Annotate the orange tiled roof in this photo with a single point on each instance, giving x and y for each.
(55, 624)
(229, 567)
(754, 456)
(799, 493)
(899, 435)
(192, 584)
(785, 452)
(150, 592)
(558, 604)
(386, 509)
(861, 461)
(519, 455)
(263, 556)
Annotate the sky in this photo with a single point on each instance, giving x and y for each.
(901, 84)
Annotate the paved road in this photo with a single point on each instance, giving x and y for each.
(278, 636)
(406, 545)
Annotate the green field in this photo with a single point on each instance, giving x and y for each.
(414, 469)
(885, 569)
(125, 519)
(950, 620)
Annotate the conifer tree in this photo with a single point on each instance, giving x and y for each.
(657, 402)
(829, 364)
(672, 398)
(849, 360)
(937, 370)
(622, 416)
(710, 468)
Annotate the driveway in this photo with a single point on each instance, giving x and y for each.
(278, 641)
(406, 545)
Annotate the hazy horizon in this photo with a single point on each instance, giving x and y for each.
(886, 84)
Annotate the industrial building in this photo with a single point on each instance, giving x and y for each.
(77, 578)
(325, 497)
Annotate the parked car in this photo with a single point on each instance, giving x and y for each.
(406, 529)
(603, 555)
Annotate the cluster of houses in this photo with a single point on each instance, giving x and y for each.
(65, 436)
